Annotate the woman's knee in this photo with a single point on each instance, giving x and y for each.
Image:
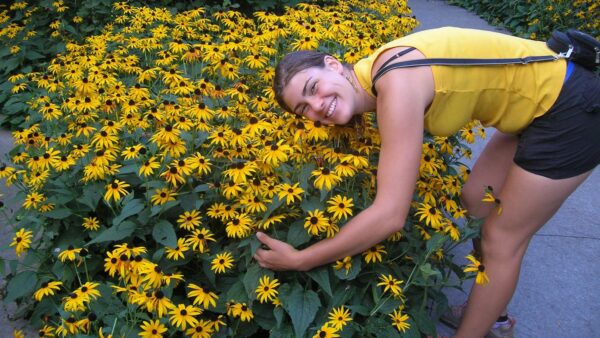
(471, 199)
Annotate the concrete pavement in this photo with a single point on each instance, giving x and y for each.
(558, 294)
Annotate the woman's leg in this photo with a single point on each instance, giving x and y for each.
(489, 170)
(528, 201)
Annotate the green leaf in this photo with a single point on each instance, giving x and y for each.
(427, 271)
(164, 233)
(304, 176)
(92, 193)
(311, 204)
(297, 235)
(61, 213)
(131, 208)
(129, 169)
(282, 332)
(157, 209)
(302, 306)
(423, 321)
(388, 305)
(250, 280)
(278, 313)
(353, 272)
(321, 276)
(272, 206)
(202, 188)
(33, 55)
(115, 233)
(435, 242)
(21, 285)
(237, 292)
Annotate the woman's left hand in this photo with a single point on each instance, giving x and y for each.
(279, 255)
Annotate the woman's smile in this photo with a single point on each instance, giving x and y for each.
(332, 107)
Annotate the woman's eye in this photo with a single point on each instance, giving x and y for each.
(313, 88)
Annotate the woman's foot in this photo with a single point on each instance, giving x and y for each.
(503, 328)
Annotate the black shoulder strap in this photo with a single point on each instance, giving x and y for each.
(386, 67)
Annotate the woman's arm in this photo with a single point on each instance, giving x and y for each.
(401, 103)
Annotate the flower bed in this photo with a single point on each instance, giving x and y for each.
(537, 19)
(153, 152)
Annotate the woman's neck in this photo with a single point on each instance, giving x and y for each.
(364, 102)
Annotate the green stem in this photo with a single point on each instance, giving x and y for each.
(409, 280)
(112, 331)
(87, 275)
(424, 299)
(77, 273)
(379, 304)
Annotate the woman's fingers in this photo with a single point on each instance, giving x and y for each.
(278, 256)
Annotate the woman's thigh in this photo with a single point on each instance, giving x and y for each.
(490, 170)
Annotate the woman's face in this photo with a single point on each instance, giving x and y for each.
(321, 94)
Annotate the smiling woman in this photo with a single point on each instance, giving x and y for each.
(325, 95)
(548, 143)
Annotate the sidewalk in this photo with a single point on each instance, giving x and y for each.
(558, 293)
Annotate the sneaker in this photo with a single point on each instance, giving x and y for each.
(503, 330)
(453, 317)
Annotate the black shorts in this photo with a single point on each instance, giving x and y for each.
(565, 142)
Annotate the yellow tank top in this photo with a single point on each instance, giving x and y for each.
(507, 97)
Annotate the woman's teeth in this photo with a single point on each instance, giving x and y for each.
(332, 107)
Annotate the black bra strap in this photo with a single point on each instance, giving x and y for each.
(402, 53)
(455, 62)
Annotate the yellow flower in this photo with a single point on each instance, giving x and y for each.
(33, 199)
(340, 206)
(46, 289)
(266, 289)
(239, 226)
(189, 220)
(390, 284)
(345, 264)
(183, 315)
(152, 329)
(326, 179)
(399, 320)
(489, 197)
(475, 266)
(148, 167)
(162, 196)
(222, 262)
(21, 241)
(291, 193)
(199, 239)
(243, 311)
(315, 222)
(431, 215)
(374, 254)
(115, 190)
(326, 332)
(91, 223)
(201, 296)
(68, 254)
(177, 252)
(339, 317)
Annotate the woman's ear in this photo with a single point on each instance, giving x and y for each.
(333, 63)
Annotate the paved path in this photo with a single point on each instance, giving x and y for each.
(559, 289)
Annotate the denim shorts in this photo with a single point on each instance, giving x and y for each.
(565, 142)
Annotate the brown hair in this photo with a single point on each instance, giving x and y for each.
(292, 64)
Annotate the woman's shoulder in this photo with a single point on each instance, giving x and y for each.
(406, 86)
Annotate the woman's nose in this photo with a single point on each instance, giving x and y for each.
(315, 104)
